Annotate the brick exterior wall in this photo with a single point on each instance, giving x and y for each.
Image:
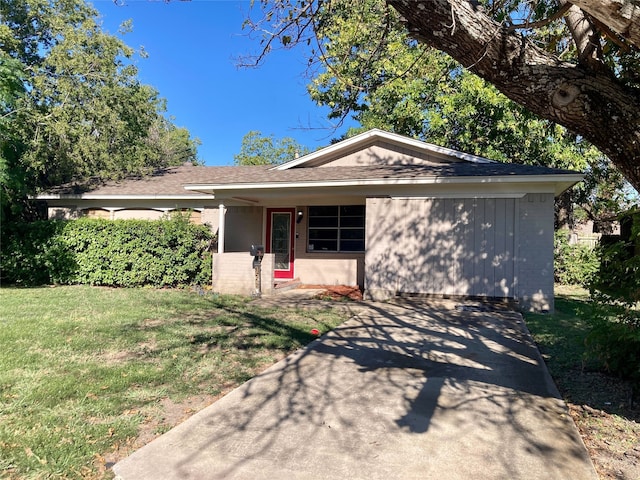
(233, 273)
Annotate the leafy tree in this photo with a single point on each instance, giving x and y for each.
(11, 88)
(373, 70)
(257, 149)
(563, 64)
(571, 66)
(603, 195)
(172, 144)
(615, 335)
(82, 112)
(394, 83)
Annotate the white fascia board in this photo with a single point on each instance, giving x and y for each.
(392, 137)
(459, 195)
(563, 178)
(122, 197)
(419, 144)
(336, 147)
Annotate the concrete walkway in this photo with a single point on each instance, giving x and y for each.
(401, 391)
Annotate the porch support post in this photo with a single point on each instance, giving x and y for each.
(221, 214)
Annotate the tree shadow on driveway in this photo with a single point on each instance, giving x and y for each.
(405, 390)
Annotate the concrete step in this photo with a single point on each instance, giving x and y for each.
(286, 285)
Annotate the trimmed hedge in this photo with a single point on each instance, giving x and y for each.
(120, 253)
(35, 253)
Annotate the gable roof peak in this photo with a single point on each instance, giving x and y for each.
(362, 140)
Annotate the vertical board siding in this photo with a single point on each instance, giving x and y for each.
(385, 238)
(467, 241)
(535, 254)
(454, 246)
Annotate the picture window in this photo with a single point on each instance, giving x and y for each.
(336, 228)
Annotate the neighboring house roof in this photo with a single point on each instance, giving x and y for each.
(438, 166)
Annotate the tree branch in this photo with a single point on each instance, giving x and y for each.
(621, 16)
(541, 23)
(585, 36)
(589, 102)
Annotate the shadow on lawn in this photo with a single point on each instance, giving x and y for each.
(227, 325)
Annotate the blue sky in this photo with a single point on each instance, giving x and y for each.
(193, 49)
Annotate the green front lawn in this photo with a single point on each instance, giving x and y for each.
(83, 370)
(561, 336)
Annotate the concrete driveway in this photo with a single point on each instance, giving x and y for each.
(409, 390)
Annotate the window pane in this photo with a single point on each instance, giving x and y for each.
(323, 221)
(323, 234)
(352, 246)
(329, 211)
(352, 210)
(352, 221)
(280, 239)
(327, 224)
(352, 234)
(323, 245)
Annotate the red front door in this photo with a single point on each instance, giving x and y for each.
(280, 240)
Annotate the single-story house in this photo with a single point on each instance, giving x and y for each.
(388, 213)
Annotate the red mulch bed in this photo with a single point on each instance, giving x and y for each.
(337, 292)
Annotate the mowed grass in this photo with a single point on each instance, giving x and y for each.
(560, 337)
(561, 341)
(81, 368)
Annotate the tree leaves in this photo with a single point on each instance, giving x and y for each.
(257, 149)
(375, 66)
(83, 112)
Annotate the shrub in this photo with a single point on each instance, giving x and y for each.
(615, 338)
(122, 253)
(574, 264)
(614, 341)
(616, 344)
(618, 278)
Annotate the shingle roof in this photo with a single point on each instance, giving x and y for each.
(302, 175)
(172, 181)
(169, 181)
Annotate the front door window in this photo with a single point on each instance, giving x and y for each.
(280, 231)
(281, 240)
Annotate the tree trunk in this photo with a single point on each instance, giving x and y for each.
(591, 103)
(564, 212)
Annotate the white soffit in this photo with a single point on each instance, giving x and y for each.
(459, 195)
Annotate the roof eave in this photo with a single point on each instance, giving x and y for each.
(106, 196)
(561, 182)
